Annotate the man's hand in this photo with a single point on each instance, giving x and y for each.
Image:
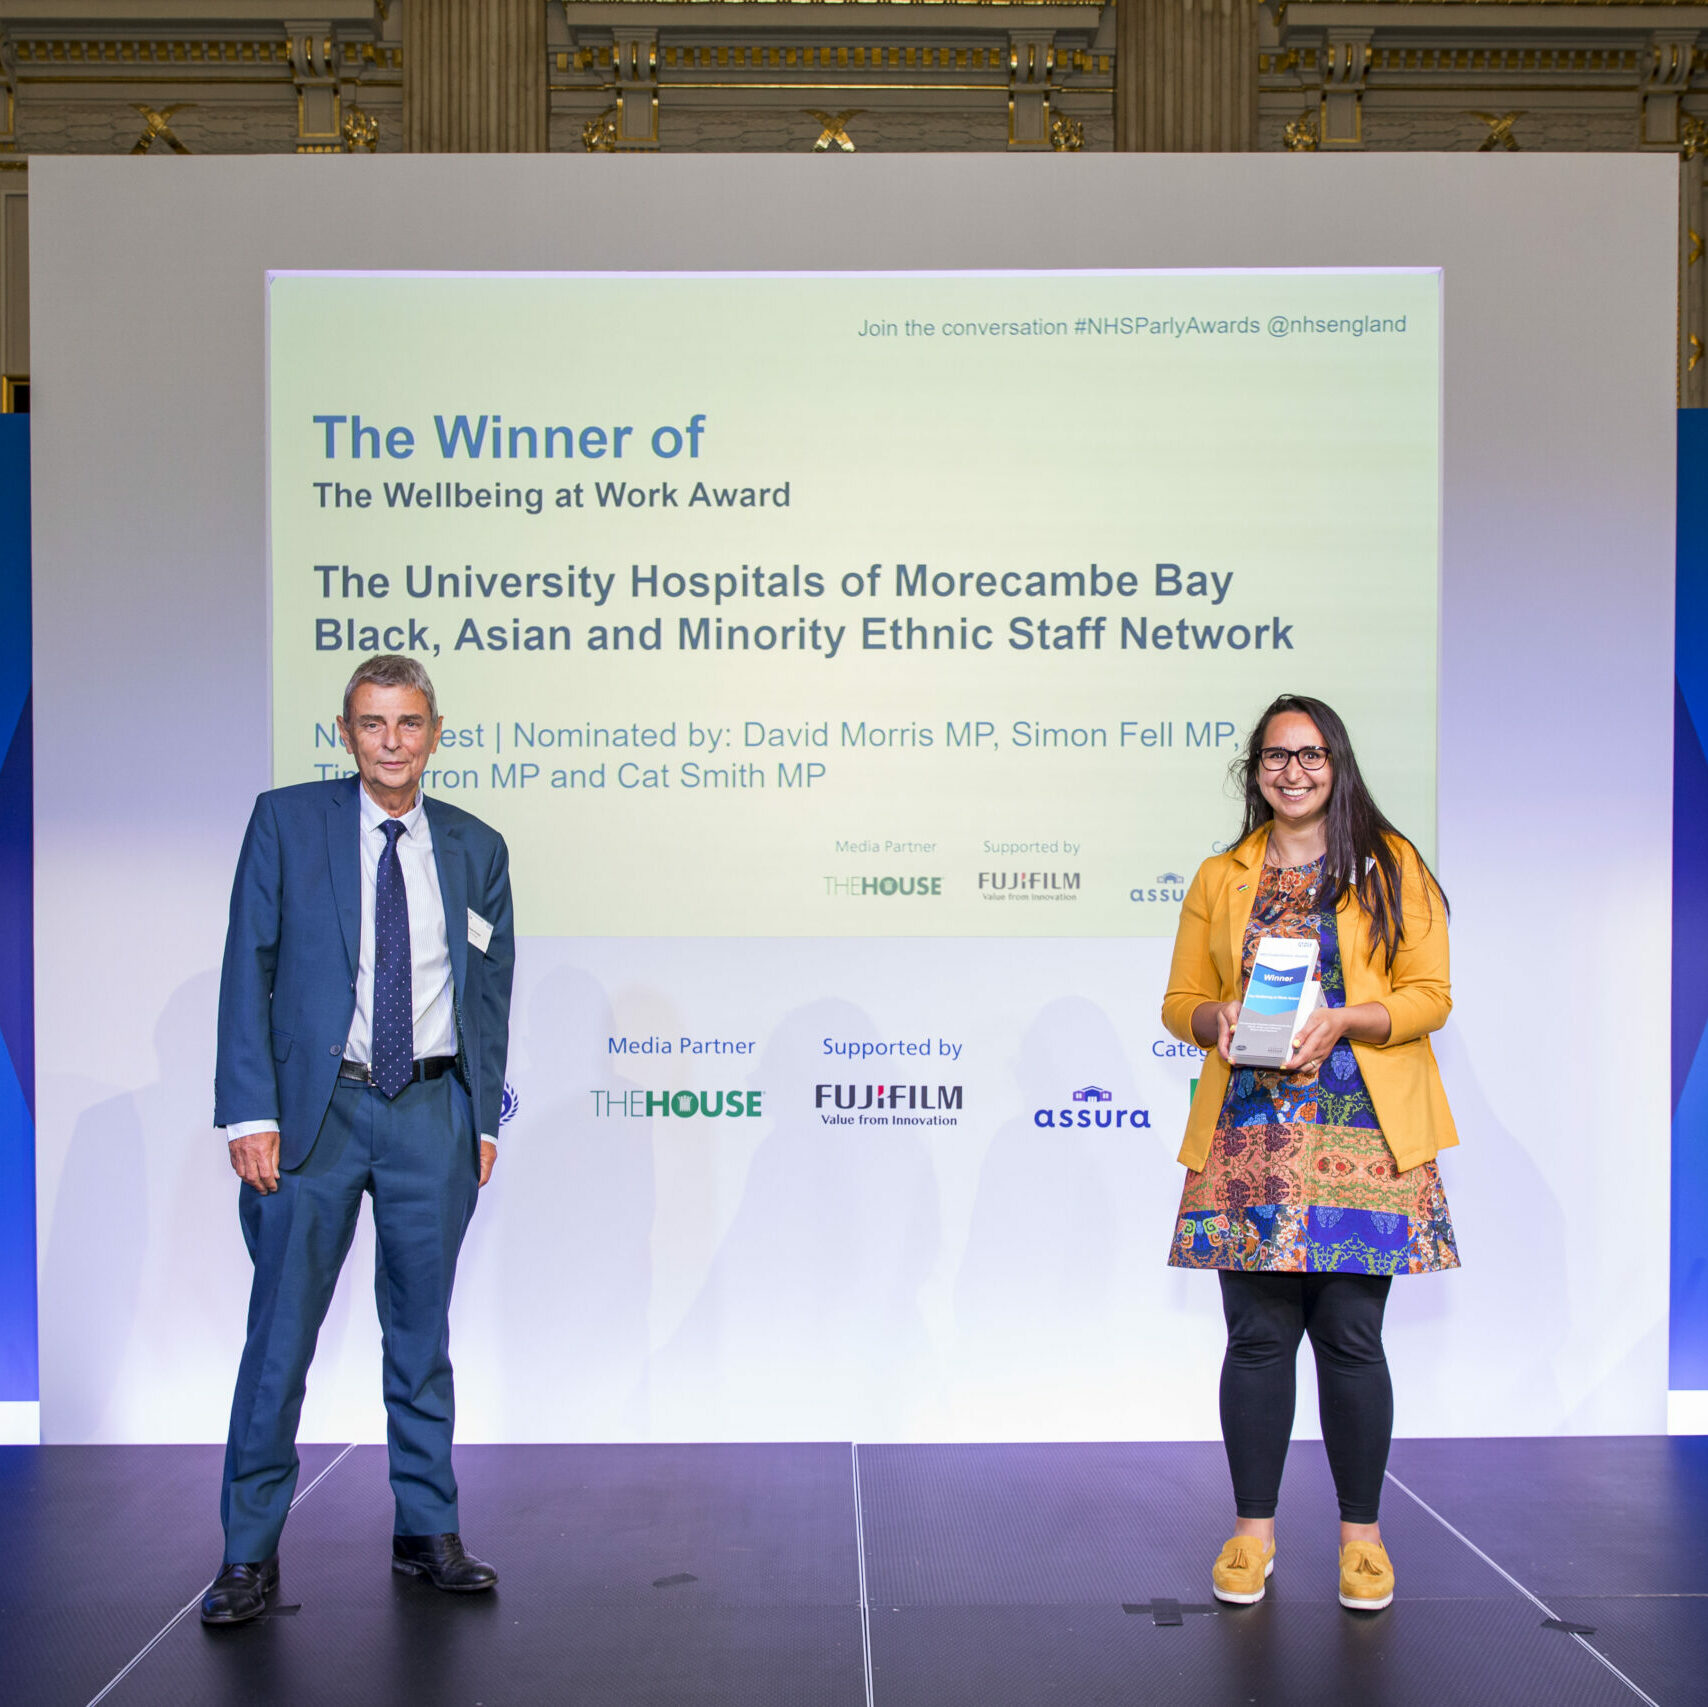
(255, 1159)
(488, 1155)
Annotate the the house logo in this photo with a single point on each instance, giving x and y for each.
(677, 1105)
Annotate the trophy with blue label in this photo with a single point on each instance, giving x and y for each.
(1280, 996)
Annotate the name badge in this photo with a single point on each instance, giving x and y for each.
(480, 932)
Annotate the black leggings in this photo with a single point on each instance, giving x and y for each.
(1266, 1315)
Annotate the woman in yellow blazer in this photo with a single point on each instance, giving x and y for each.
(1311, 1186)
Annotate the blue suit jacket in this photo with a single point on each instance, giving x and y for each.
(287, 990)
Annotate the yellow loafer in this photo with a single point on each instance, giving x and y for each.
(1241, 1569)
(1366, 1576)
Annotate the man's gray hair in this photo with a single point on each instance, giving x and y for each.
(392, 670)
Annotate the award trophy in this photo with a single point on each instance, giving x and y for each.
(1280, 996)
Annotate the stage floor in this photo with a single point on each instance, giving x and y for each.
(899, 1576)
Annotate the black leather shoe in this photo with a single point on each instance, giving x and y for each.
(441, 1559)
(240, 1592)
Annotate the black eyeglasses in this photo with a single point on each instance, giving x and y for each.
(1275, 758)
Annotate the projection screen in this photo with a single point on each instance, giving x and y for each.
(752, 663)
(1439, 472)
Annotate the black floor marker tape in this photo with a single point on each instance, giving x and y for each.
(1165, 1612)
(676, 1581)
(1566, 1625)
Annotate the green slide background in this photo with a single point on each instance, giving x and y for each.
(1304, 466)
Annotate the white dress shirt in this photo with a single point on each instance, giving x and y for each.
(429, 950)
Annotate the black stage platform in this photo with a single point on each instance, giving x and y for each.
(917, 1576)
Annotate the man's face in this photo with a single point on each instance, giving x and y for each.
(391, 738)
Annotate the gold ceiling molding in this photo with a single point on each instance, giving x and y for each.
(737, 56)
(1442, 61)
(156, 52)
(571, 5)
(151, 51)
(1582, 5)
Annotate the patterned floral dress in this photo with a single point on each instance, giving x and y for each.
(1299, 1178)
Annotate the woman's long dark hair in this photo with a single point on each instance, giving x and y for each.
(1360, 856)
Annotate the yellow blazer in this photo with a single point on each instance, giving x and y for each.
(1400, 1075)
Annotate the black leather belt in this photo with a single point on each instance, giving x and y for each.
(430, 1067)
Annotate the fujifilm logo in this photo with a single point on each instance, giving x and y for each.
(1029, 885)
(888, 1105)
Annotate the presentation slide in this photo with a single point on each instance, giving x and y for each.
(830, 605)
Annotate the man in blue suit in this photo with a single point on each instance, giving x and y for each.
(364, 1013)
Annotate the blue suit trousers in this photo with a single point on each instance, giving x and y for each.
(418, 1158)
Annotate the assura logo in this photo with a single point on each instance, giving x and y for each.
(1093, 1110)
(1165, 886)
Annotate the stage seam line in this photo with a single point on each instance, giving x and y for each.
(172, 1623)
(1534, 1600)
(860, 1555)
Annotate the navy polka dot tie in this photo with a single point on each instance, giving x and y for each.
(394, 997)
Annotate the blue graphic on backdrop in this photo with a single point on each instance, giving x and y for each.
(1689, 1343)
(18, 1377)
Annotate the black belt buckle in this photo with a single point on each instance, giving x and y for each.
(428, 1067)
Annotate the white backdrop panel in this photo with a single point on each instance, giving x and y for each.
(991, 1280)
